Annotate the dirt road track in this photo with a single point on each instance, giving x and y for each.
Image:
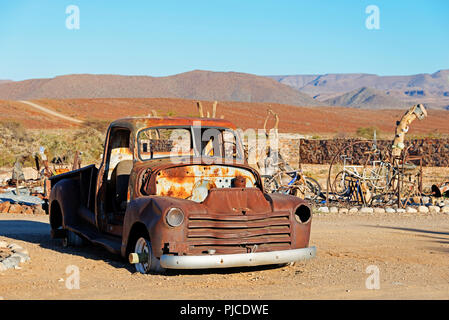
(51, 112)
(411, 252)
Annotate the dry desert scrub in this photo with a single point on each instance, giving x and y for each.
(17, 141)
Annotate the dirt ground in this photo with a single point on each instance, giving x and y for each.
(411, 252)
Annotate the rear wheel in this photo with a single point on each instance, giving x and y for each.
(71, 239)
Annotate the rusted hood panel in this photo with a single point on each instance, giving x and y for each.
(178, 173)
(239, 201)
(194, 182)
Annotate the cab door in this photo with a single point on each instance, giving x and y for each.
(117, 150)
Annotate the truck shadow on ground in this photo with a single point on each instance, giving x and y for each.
(441, 237)
(39, 233)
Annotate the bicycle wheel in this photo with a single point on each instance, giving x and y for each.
(362, 179)
(309, 189)
(341, 184)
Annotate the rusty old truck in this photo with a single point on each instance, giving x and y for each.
(177, 193)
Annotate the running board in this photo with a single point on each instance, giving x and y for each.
(110, 243)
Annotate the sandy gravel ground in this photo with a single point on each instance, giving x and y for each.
(411, 252)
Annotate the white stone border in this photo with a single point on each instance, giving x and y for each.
(379, 210)
(19, 255)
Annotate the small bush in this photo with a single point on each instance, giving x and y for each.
(367, 132)
(16, 129)
(16, 141)
(7, 159)
(341, 135)
(89, 141)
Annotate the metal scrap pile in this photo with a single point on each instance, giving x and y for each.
(28, 194)
(386, 176)
(28, 199)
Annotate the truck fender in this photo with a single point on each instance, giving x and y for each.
(66, 195)
(140, 211)
(149, 211)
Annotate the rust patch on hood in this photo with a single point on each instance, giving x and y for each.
(182, 182)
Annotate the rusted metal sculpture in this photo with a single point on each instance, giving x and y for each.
(416, 112)
(379, 176)
(279, 176)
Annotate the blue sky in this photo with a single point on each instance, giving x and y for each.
(159, 38)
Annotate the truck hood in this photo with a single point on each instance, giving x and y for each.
(184, 180)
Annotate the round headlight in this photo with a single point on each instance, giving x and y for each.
(174, 217)
(303, 214)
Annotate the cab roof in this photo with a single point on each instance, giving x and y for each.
(137, 123)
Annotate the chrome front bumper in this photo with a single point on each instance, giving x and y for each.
(236, 260)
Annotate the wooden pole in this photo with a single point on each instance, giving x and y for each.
(200, 109)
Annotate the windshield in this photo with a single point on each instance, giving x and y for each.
(163, 142)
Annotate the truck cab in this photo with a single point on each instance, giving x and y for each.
(177, 193)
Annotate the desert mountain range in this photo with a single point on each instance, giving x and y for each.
(345, 89)
(202, 85)
(357, 90)
(367, 98)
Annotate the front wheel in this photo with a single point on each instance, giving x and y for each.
(150, 263)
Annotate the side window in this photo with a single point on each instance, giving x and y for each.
(230, 145)
(118, 149)
(219, 143)
(210, 142)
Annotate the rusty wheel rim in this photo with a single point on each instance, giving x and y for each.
(142, 246)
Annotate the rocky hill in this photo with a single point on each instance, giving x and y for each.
(431, 89)
(202, 85)
(367, 98)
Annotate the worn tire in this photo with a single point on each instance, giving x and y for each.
(72, 240)
(153, 265)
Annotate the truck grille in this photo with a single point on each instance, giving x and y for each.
(228, 234)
